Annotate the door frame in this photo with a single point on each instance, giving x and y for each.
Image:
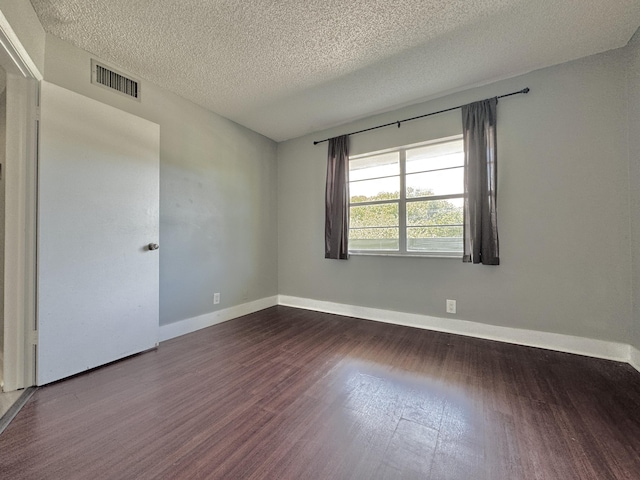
(20, 176)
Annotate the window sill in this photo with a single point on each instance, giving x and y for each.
(404, 255)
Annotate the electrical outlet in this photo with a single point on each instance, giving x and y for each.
(451, 306)
(216, 298)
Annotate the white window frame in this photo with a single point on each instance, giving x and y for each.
(402, 203)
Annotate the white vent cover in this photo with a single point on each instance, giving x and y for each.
(110, 78)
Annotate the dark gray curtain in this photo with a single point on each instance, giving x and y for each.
(336, 222)
(480, 182)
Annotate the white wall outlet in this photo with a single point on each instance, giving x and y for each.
(216, 298)
(451, 306)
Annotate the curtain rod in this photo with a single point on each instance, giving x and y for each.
(398, 122)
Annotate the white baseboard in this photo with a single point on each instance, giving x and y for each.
(532, 338)
(182, 327)
(634, 358)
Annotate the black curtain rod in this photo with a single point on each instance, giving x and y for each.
(398, 122)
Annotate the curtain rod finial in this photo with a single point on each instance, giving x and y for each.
(526, 90)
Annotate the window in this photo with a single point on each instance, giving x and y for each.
(409, 200)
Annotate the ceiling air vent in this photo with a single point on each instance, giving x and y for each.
(109, 78)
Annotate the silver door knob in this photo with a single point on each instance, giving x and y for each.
(154, 246)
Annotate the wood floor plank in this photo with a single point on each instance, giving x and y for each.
(293, 394)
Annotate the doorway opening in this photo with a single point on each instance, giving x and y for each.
(7, 398)
(19, 83)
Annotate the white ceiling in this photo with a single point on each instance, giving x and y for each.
(285, 68)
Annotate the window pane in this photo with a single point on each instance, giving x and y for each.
(374, 239)
(379, 189)
(374, 167)
(433, 157)
(435, 212)
(385, 215)
(434, 239)
(441, 182)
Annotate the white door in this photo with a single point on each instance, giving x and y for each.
(98, 212)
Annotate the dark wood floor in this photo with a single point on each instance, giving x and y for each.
(291, 394)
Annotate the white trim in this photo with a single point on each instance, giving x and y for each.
(188, 325)
(20, 233)
(634, 358)
(435, 141)
(12, 45)
(20, 206)
(532, 338)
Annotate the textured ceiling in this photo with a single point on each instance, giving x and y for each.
(286, 68)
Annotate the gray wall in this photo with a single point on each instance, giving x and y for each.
(568, 265)
(563, 211)
(218, 202)
(633, 79)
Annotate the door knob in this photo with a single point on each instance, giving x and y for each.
(154, 246)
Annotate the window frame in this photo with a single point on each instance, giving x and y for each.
(402, 202)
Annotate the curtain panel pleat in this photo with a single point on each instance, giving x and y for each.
(480, 182)
(336, 223)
